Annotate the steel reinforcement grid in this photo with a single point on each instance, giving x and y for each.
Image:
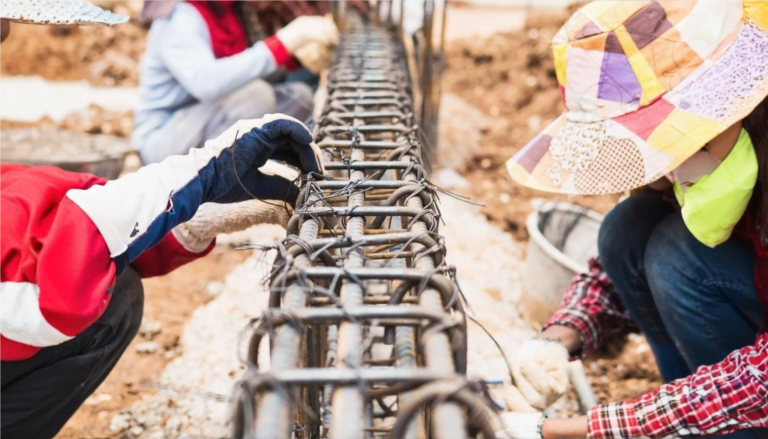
(366, 324)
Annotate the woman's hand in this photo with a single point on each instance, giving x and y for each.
(541, 366)
(541, 372)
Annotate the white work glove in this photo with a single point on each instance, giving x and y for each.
(314, 56)
(521, 425)
(541, 372)
(309, 29)
(213, 219)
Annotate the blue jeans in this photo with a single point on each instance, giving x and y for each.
(694, 304)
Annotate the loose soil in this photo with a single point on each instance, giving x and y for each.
(168, 300)
(105, 56)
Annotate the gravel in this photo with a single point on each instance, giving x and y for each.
(194, 386)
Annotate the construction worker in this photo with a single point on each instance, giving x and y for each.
(198, 74)
(75, 247)
(670, 95)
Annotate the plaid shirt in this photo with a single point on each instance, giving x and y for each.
(716, 399)
(593, 309)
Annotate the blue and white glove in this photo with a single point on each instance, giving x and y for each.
(135, 212)
(228, 165)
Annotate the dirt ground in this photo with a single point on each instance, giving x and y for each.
(106, 56)
(169, 302)
(508, 76)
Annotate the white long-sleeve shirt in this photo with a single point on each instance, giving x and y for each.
(179, 69)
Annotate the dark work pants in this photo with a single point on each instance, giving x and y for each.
(40, 394)
(694, 304)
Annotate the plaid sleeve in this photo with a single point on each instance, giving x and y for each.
(592, 308)
(715, 400)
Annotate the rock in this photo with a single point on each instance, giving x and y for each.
(137, 430)
(98, 399)
(147, 347)
(120, 422)
(150, 329)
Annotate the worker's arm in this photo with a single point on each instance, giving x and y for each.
(715, 400)
(589, 313)
(186, 51)
(59, 267)
(134, 213)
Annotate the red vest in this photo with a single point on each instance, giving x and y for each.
(224, 25)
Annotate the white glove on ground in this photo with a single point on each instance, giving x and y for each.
(521, 425)
(212, 219)
(541, 372)
(309, 29)
(314, 56)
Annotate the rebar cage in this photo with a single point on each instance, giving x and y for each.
(366, 323)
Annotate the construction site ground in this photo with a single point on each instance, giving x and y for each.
(499, 90)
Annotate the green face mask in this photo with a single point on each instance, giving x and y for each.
(713, 205)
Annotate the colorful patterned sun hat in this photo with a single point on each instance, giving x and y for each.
(646, 84)
(57, 12)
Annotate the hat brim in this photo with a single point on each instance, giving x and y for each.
(630, 151)
(59, 12)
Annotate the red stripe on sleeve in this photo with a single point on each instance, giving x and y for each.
(166, 256)
(283, 57)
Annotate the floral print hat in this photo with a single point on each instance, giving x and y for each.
(57, 12)
(646, 84)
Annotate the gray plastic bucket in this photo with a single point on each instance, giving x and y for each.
(563, 237)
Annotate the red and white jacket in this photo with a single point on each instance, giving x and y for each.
(58, 264)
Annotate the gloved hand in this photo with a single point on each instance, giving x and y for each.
(213, 219)
(314, 56)
(228, 165)
(309, 29)
(521, 425)
(541, 372)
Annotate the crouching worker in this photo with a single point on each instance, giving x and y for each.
(75, 247)
(198, 74)
(677, 90)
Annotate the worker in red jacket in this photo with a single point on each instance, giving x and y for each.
(75, 247)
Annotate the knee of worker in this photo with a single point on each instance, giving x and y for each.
(295, 99)
(671, 261)
(624, 234)
(251, 101)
